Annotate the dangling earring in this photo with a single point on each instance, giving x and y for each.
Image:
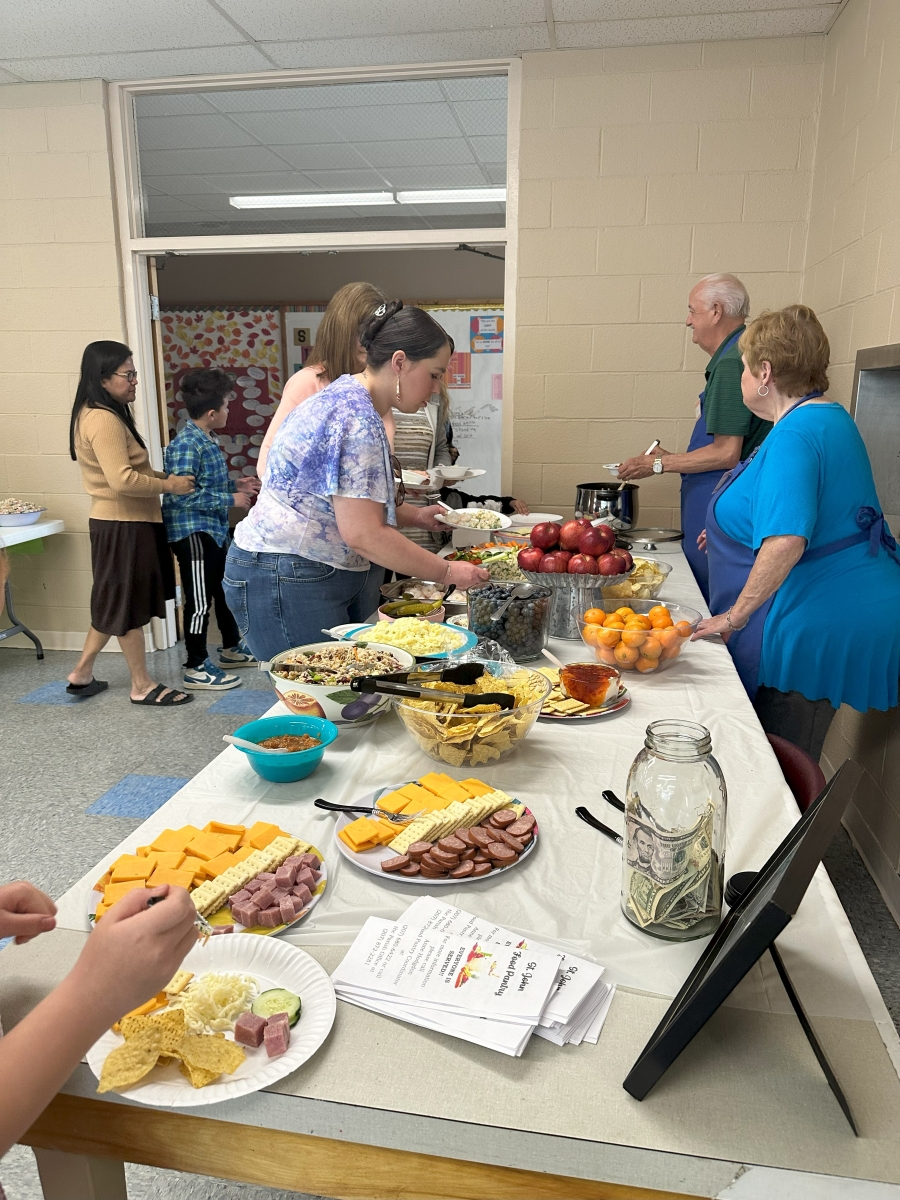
(762, 391)
(397, 405)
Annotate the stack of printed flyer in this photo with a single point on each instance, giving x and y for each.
(445, 969)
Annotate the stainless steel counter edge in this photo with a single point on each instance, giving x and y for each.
(624, 1165)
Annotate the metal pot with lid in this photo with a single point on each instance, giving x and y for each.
(651, 539)
(614, 503)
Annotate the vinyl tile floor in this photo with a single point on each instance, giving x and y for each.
(59, 758)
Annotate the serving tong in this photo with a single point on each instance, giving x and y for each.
(394, 685)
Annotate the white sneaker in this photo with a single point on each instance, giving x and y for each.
(236, 656)
(208, 678)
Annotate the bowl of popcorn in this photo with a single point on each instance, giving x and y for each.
(19, 512)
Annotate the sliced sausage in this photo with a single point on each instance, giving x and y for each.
(417, 849)
(481, 868)
(506, 816)
(464, 869)
(444, 857)
(412, 869)
(452, 845)
(502, 855)
(465, 835)
(481, 837)
(509, 840)
(395, 864)
(521, 829)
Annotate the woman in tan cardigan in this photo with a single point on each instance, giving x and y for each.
(132, 566)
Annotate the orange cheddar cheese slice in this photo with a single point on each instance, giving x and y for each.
(363, 829)
(183, 879)
(421, 799)
(260, 835)
(475, 787)
(166, 858)
(197, 867)
(393, 802)
(115, 891)
(174, 839)
(160, 1000)
(142, 851)
(387, 831)
(220, 863)
(209, 845)
(129, 866)
(219, 827)
(342, 834)
(445, 787)
(100, 910)
(243, 852)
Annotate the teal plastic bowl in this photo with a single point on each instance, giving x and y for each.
(286, 768)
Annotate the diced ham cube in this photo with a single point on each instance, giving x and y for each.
(270, 917)
(239, 898)
(305, 876)
(264, 897)
(277, 1037)
(294, 860)
(299, 904)
(266, 876)
(317, 875)
(302, 893)
(222, 929)
(254, 885)
(251, 915)
(280, 893)
(249, 1029)
(310, 860)
(282, 1016)
(287, 909)
(285, 875)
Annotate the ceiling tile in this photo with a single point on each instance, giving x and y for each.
(152, 64)
(343, 181)
(408, 121)
(475, 87)
(483, 117)
(213, 162)
(324, 157)
(283, 20)
(174, 105)
(444, 152)
(412, 48)
(329, 95)
(194, 132)
(70, 27)
(587, 10)
(657, 31)
(437, 177)
(489, 149)
(289, 128)
(258, 183)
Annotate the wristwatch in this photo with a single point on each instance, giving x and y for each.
(658, 465)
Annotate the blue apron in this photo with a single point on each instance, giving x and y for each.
(696, 493)
(731, 563)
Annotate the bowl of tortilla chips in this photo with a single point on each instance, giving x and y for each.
(483, 733)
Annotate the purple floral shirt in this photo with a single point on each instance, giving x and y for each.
(334, 444)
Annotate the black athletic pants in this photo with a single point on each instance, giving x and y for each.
(202, 565)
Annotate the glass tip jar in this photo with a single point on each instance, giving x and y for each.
(673, 853)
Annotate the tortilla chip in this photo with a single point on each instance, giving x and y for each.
(198, 1076)
(129, 1063)
(212, 1053)
(454, 755)
(483, 753)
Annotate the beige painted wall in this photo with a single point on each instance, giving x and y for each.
(59, 289)
(853, 282)
(643, 169)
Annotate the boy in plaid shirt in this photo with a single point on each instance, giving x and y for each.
(197, 528)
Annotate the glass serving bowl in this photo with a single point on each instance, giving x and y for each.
(645, 651)
(469, 739)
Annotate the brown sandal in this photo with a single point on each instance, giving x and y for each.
(155, 699)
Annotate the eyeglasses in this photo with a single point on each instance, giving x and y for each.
(131, 376)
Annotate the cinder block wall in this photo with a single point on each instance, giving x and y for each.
(853, 282)
(643, 169)
(59, 290)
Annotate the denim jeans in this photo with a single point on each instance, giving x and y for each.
(282, 600)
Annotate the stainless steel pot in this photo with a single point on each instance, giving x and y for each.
(618, 508)
(642, 540)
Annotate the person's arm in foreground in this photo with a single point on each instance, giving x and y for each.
(361, 525)
(130, 955)
(723, 453)
(776, 558)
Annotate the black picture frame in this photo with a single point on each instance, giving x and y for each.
(750, 929)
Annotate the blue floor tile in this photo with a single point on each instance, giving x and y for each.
(4, 942)
(51, 693)
(244, 703)
(136, 796)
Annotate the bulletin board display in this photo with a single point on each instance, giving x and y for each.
(475, 384)
(248, 342)
(300, 328)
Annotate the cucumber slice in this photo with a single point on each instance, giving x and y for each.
(277, 1000)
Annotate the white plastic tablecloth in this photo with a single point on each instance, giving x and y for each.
(567, 892)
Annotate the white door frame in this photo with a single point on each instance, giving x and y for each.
(134, 247)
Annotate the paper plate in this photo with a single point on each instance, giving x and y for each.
(621, 701)
(370, 860)
(224, 917)
(272, 964)
(505, 521)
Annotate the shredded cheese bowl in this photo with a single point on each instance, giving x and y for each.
(424, 639)
(476, 736)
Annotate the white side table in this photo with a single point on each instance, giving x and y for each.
(14, 536)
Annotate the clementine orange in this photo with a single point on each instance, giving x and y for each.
(605, 654)
(634, 637)
(624, 611)
(684, 628)
(595, 616)
(646, 664)
(626, 656)
(652, 648)
(605, 637)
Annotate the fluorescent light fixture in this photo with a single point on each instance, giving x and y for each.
(473, 195)
(314, 200)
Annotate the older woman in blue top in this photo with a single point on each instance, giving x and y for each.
(328, 509)
(785, 528)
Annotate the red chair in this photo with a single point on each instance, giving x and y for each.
(802, 773)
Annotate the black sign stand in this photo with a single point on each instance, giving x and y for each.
(750, 929)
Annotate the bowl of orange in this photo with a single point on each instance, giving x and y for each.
(645, 636)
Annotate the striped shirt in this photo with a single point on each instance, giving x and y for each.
(412, 447)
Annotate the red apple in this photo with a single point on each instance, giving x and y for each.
(529, 559)
(565, 555)
(627, 559)
(610, 564)
(583, 564)
(553, 562)
(571, 531)
(596, 541)
(545, 535)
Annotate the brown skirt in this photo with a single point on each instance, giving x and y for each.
(133, 574)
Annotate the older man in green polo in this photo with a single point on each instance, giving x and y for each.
(726, 431)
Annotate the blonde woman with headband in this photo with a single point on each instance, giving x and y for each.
(336, 352)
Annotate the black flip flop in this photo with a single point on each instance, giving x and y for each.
(174, 698)
(85, 690)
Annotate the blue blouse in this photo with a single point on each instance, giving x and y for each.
(334, 444)
(832, 631)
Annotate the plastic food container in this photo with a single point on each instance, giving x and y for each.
(11, 520)
(473, 739)
(643, 651)
(645, 582)
(333, 701)
(286, 768)
(523, 630)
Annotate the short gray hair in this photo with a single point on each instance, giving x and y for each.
(728, 291)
